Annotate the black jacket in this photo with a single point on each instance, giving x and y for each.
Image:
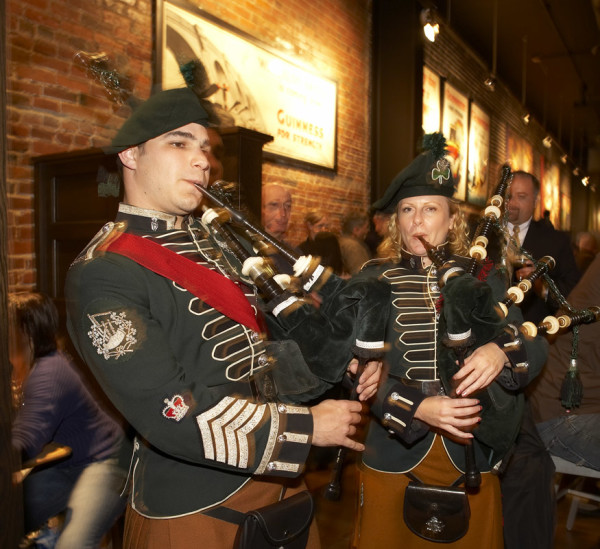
(541, 240)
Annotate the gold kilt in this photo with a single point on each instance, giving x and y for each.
(199, 530)
(381, 495)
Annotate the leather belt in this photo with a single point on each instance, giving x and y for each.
(427, 387)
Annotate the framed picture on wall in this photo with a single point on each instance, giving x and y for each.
(565, 201)
(454, 126)
(520, 152)
(248, 83)
(550, 193)
(478, 157)
(431, 101)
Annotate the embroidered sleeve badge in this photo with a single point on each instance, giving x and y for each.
(175, 408)
(112, 334)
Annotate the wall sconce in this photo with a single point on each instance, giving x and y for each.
(526, 118)
(430, 27)
(490, 83)
(547, 142)
(564, 158)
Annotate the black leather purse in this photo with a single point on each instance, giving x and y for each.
(436, 513)
(283, 524)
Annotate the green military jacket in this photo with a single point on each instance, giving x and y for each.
(179, 371)
(419, 359)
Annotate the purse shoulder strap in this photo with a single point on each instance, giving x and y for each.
(416, 479)
(413, 477)
(231, 515)
(225, 514)
(458, 481)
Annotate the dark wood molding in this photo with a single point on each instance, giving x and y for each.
(397, 82)
(11, 505)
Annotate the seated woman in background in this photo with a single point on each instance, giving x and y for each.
(320, 242)
(429, 408)
(55, 406)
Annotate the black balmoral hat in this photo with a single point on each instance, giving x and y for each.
(160, 113)
(428, 174)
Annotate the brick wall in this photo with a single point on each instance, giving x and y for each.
(53, 106)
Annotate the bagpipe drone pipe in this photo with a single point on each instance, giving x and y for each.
(568, 319)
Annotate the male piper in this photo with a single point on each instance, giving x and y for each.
(177, 352)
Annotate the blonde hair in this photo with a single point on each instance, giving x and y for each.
(314, 216)
(458, 235)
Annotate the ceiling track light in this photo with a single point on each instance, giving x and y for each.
(526, 118)
(547, 142)
(430, 28)
(576, 172)
(564, 158)
(490, 82)
(585, 181)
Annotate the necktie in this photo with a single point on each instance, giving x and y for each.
(516, 234)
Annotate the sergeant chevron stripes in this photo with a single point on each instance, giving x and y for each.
(225, 429)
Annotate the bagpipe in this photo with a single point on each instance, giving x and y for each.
(350, 321)
(471, 317)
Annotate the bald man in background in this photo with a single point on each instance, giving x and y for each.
(276, 215)
(276, 209)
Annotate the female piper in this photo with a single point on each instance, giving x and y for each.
(429, 403)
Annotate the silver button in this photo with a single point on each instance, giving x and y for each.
(271, 466)
(387, 416)
(395, 396)
(263, 360)
(281, 408)
(255, 337)
(281, 438)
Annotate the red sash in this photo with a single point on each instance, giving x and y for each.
(211, 287)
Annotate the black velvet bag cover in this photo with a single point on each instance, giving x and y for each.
(470, 304)
(436, 513)
(293, 379)
(353, 312)
(282, 524)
